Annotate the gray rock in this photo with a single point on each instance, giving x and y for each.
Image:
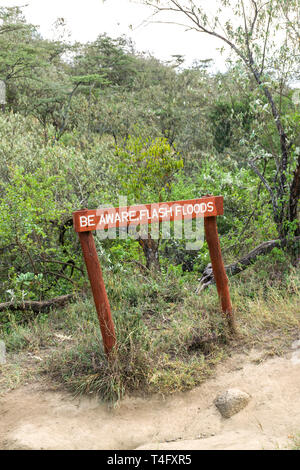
(2, 353)
(296, 344)
(231, 402)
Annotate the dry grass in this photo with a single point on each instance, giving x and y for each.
(169, 339)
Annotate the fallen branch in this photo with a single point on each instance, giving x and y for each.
(37, 306)
(208, 278)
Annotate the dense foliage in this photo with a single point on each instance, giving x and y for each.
(89, 125)
(86, 123)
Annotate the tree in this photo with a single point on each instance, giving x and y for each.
(109, 58)
(146, 169)
(177, 101)
(22, 49)
(33, 70)
(264, 36)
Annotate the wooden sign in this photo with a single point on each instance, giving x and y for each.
(101, 219)
(85, 221)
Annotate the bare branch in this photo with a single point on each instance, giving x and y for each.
(235, 268)
(255, 16)
(37, 306)
(265, 183)
(265, 44)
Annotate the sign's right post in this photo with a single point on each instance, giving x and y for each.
(212, 238)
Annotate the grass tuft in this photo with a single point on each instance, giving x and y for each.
(169, 338)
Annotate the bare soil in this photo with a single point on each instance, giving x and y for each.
(34, 417)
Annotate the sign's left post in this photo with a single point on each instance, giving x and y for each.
(98, 287)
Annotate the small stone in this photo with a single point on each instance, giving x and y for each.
(295, 359)
(231, 402)
(296, 344)
(2, 353)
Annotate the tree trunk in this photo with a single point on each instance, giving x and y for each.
(294, 198)
(235, 268)
(36, 306)
(150, 249)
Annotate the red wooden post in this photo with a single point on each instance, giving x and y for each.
(98, 288)
(212, 238)
(86, 221)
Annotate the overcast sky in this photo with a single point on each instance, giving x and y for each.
(86, 19)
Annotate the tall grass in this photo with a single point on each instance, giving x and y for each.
(169, 338)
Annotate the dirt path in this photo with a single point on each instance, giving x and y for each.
(32, 418)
